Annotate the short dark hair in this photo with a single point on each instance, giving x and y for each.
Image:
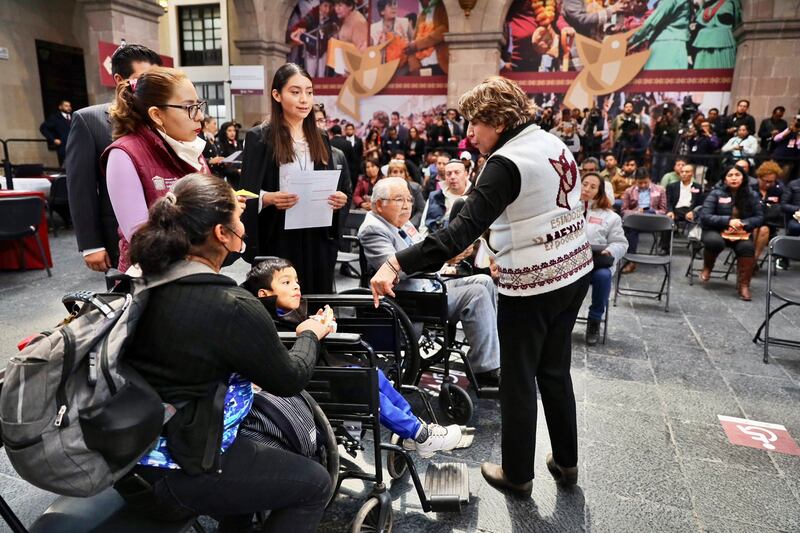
(779, 108)
(395, 114)
(383, 3)
(351, 3)
(260, 276)
(642, 173)
(628, 159)
(745, 100)
(123, 58)
(336, 129)
(681, 158)
(349, 125)
(713, 109)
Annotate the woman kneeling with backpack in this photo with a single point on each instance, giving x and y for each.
(200, 343)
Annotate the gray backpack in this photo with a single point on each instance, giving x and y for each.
(74, 417)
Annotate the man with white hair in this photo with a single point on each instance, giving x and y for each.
(439, 204)
(473, 300)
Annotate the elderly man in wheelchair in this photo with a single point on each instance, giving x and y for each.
(471, 300)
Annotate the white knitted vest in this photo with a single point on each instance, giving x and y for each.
(540, 238)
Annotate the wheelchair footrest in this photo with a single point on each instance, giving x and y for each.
(447, 486)
(488, 393)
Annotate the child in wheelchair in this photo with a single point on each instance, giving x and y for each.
(274, 281)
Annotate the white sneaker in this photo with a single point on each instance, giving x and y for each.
(440, 438)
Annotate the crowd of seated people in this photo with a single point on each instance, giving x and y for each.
(171, 210)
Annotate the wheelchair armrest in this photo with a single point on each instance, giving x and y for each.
(333, 338)
(362, 301)
(432, 276)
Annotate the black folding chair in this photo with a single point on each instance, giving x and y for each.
(59, 203)
(788, 247)
(20, 218)
(653, 224)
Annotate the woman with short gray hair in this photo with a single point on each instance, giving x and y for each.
(528, 196)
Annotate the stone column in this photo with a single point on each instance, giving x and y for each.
(136, 21)
(766, 70)
(474, 42)
(259, 37)
(271, 54)
(473, 57)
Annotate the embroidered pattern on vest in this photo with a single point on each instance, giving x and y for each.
(568, 175)
(546, 273)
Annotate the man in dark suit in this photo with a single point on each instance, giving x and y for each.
(338, 141)
(682, 198)
(402, 131)
(90, 134)
(56, 129)
(358, 147)
(684, 195)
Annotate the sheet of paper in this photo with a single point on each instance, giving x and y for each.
(313, 187)
(483, 254)
(233, 157)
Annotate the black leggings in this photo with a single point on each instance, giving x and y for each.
(254, 478)
(714, 244)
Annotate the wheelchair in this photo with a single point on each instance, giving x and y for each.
(348, 398)
(436, 344)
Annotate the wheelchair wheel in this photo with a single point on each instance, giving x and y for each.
(455, 403)
(367, 518)
(395, 462)
(329, 456)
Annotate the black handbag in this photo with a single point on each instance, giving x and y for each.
(602, 260)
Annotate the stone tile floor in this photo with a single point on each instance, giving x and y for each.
(653, 455)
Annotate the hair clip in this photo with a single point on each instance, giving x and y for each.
(171, 198)
(133, 84)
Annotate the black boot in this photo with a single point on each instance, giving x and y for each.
(592, 332)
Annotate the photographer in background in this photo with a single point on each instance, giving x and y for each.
(787, 149)
(663, 142)
(595, 132)
(740, 117)
(702, 143)
(631, 143)
(770, 127)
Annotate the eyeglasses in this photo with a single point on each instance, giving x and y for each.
(399, 200)
(191, 109)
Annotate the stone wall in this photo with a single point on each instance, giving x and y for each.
(79, 23)
(766, 62)
(21, 113)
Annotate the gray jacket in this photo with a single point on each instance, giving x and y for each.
(604, 227)
(380, 240)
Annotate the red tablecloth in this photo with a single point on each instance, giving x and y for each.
(9, 250)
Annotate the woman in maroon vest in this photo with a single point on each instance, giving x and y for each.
(290, 142)
(156, 122)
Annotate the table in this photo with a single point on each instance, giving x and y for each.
(9, 250)
(31, 183)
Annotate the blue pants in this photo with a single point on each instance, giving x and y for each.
(793, 228)
(395, 413)
(601, 288)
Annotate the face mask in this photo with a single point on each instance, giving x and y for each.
(234, 256)
(189, 152)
